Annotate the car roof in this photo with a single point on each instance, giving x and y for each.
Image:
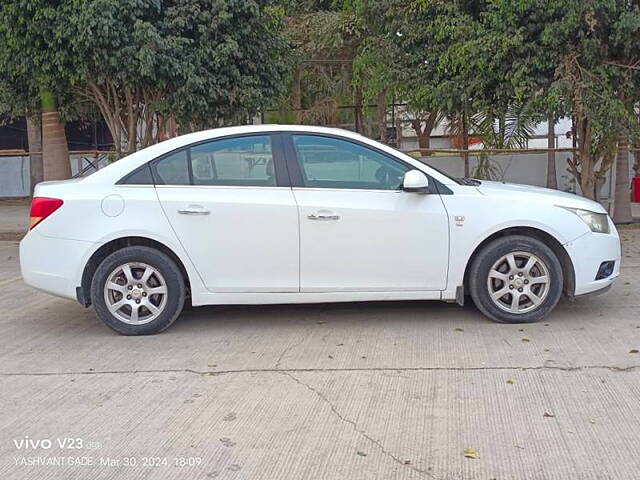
(116, 170)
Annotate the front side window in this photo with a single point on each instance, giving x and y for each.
(240, 161)
(328, 162)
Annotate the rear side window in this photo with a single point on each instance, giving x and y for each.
(141, 176)
(240, 161)
(172, 169)
(234, 161)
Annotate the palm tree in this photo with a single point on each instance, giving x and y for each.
(55, 151)
(507, 129)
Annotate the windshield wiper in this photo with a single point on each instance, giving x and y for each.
(472, 182)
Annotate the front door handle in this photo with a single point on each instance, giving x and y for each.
(323, 216)
(194, 210)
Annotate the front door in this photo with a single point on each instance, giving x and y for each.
(238, 226)
(358, 230)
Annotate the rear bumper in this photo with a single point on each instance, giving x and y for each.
(587, 253)
(53, 265)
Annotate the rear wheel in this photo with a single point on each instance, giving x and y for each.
(516, 279)
(138, 291)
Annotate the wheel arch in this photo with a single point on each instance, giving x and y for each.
(549, 240)
(83, 292)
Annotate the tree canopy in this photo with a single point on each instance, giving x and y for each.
(202, 62)
(551, 56)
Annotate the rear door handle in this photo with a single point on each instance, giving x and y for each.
(194, 210)
(322, 215)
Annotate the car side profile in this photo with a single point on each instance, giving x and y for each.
(294, 214)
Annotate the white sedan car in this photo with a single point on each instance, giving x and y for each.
(293, 214)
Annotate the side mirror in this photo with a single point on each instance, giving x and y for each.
(415, 181)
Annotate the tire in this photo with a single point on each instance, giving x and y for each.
(525, 296)
(157, 299)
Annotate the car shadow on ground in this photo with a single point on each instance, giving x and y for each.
(208, 319)
(338, 313)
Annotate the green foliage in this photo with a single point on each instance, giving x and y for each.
(324, 38)
(552, 56)
(419, 44)
(32, 59)
(574, 58)
(208, 60)
(205, 62)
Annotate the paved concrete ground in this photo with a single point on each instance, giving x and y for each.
(354, 391)
(14, 218)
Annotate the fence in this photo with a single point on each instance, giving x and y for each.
(527, 166)
(15, 181)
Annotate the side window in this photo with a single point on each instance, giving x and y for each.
(141, 176)
(172, 169)
(241, 161)
(328, 162)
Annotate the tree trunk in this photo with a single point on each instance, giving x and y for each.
(622, 199)
(358, 116)
(423, 136)
(465, 145)
(296, 94)
(552, 179)
(424, 140)
(55, 152)
(585, 161)
(34, 135)
(382, 116)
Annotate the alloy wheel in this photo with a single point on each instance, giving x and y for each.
(135, 293)
(518, 282)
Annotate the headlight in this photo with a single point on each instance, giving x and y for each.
(597, 222)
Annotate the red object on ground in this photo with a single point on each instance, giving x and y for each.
(636, 189)
(456, 142)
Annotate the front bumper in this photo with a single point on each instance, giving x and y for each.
(604, 289)
(587, 253)
(53, 265)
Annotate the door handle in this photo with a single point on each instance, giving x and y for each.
(194, 210)
(323, 216)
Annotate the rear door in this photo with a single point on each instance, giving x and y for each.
(229, 202)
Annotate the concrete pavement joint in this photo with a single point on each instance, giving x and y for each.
(214, 373)
(355, 427)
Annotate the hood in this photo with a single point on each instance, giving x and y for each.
(547, 196)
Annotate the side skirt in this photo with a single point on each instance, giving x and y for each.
(266, 298)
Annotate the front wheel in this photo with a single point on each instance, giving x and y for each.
(516, 279)
(138, 291)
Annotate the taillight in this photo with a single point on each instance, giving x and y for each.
(41, 208)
